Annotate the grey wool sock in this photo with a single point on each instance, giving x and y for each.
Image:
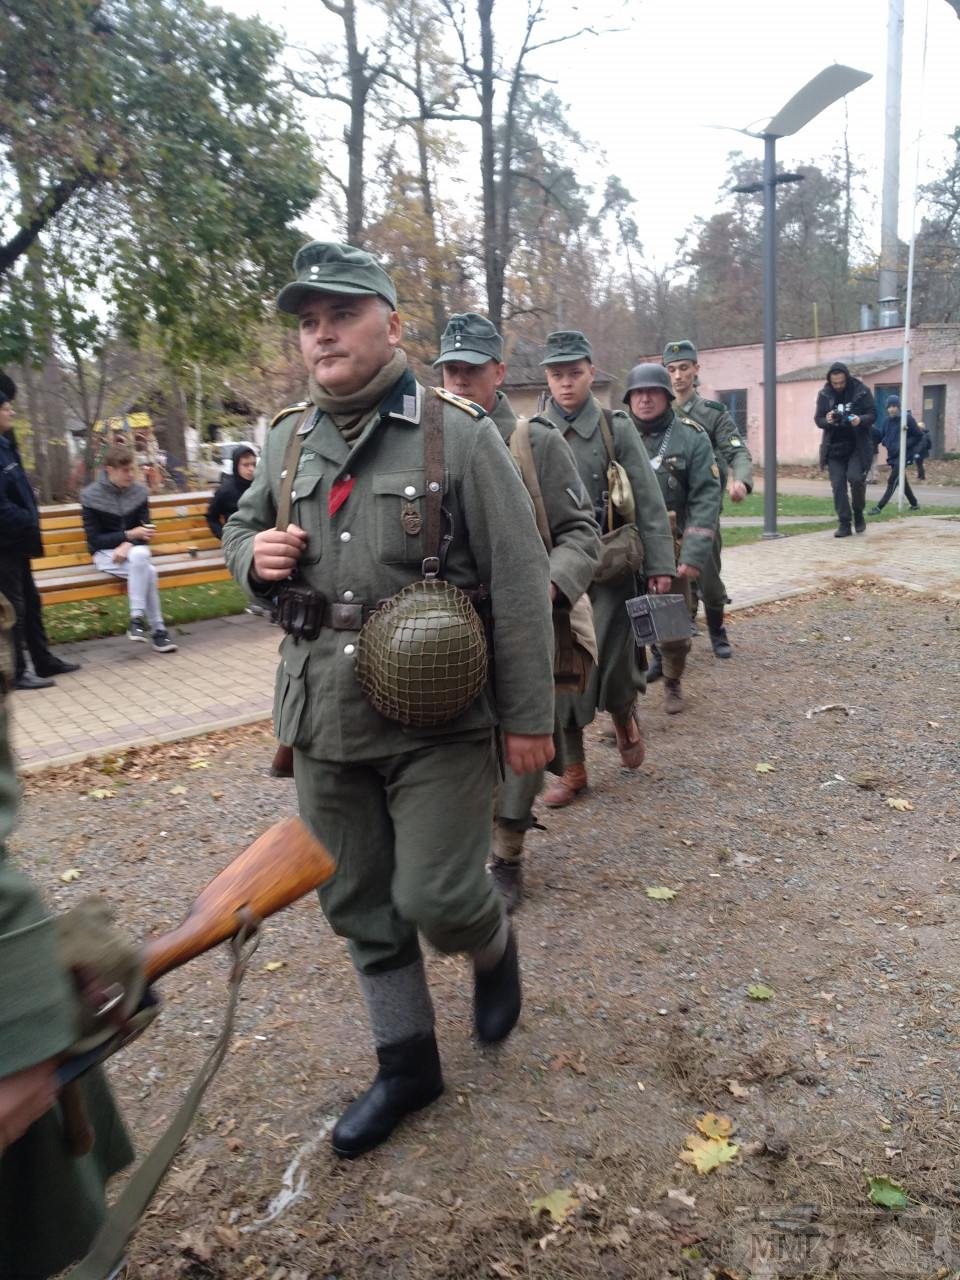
(398, 1003)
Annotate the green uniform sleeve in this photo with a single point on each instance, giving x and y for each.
(703, 503)
(255, 513)
(732, 452)
(653, 522)
(36, 1000)
(512, 560)
(576, 539)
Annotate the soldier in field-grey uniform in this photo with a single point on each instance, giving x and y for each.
(403, 806)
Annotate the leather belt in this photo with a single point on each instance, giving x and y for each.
(343, 616)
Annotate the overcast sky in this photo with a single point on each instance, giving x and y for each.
(646, 96)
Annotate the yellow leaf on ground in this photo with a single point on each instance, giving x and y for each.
(661, 893)
(70, 875)
(200, 764)
(101, 793)
(763, 767)
(273, 965)
(178, 791)
(707, 1153)
(558, 1204)
(760, 991)
(715, 1126)
(898, 803)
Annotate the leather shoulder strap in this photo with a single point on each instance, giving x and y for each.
(606, 424)
(433, 474)
(291, 457)
(523, 456)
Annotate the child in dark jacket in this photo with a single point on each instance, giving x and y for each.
(232, 488)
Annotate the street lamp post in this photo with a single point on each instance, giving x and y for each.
(815, 96)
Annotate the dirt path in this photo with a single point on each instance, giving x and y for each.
(637, 1019)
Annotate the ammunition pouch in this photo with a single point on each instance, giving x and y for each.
(300, 611)
(659, 619)
(575, 645)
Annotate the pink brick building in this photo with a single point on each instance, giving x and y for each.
(735, 376)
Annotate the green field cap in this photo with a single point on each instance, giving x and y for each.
(565, 346)
(470, 338)
(326, 267)
(682, 350)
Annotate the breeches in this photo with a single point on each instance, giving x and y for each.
(410, 836)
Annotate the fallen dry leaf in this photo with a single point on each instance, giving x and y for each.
(200, 764)
(706, 1154)
(101, 793)
(558, 1204)
(760, 991)
(898, 803)
(178, 790)
(273, 965)
(763, 767)
(71, 874)
(566, 1059)
(661, 893)
(714, 1126)
(737, 1090)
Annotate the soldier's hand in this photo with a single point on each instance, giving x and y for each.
(659, 586)
(737, 490)
(24, 1097)
(276, 552)
(526, 753)
(688, 571)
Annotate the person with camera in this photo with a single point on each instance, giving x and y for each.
(845, 413)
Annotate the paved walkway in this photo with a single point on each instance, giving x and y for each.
(126, 695)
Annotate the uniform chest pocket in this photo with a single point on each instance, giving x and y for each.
(676, 469)
(307, 511)
(400, 516)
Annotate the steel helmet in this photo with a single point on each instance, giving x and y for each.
(648, 375)
(422, 657)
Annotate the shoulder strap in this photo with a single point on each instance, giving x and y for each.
(523, 456)
(291, 457)
(606, 424)
(433, 469)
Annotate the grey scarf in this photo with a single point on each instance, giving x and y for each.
(352, 413)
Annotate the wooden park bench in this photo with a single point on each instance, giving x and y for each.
(184, 550)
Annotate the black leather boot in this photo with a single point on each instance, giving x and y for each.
(718, 633)
(409, 1078)
(654, 665)
(497, 996)
(858, 522)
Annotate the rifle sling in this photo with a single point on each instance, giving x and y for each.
(291, 458)
(433, 475)
(522, 452)
(108, 1248)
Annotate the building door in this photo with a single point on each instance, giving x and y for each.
(934, 410)
(736, 404)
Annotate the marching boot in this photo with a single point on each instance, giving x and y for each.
(654, 665)
(630, 742)
(672, 697)
(506, 866)
(497, 997)
(282, 764)
(565, 789)
(409, 1078)
(718, 633)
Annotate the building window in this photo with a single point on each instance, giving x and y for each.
(736, 404)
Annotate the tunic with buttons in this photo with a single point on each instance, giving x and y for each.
(618, 676)
(690, 482)
(373, 545)
(733, 456)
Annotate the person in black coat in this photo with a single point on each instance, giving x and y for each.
(20, 540)
(845, 414)
(232, 488)
(922, 451)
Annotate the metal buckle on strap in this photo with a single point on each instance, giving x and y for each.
(431, 567)
(344, 617)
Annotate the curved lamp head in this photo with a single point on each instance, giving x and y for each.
(815, 96)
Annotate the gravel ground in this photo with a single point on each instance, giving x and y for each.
(801, 877)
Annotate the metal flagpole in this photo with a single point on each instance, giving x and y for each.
(908, 310)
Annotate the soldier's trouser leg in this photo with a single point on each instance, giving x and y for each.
(710, 585)
(515, 797)
(573, 752)
(410, 837)
(673, 653)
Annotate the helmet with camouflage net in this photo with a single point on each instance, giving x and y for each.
(422, 657)
(643, 376)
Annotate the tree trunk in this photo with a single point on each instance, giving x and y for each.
(356, 130)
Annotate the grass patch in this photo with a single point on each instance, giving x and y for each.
(87, 619)
(737, 537)
(808, 505)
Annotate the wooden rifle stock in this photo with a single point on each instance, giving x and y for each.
(278, 868)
